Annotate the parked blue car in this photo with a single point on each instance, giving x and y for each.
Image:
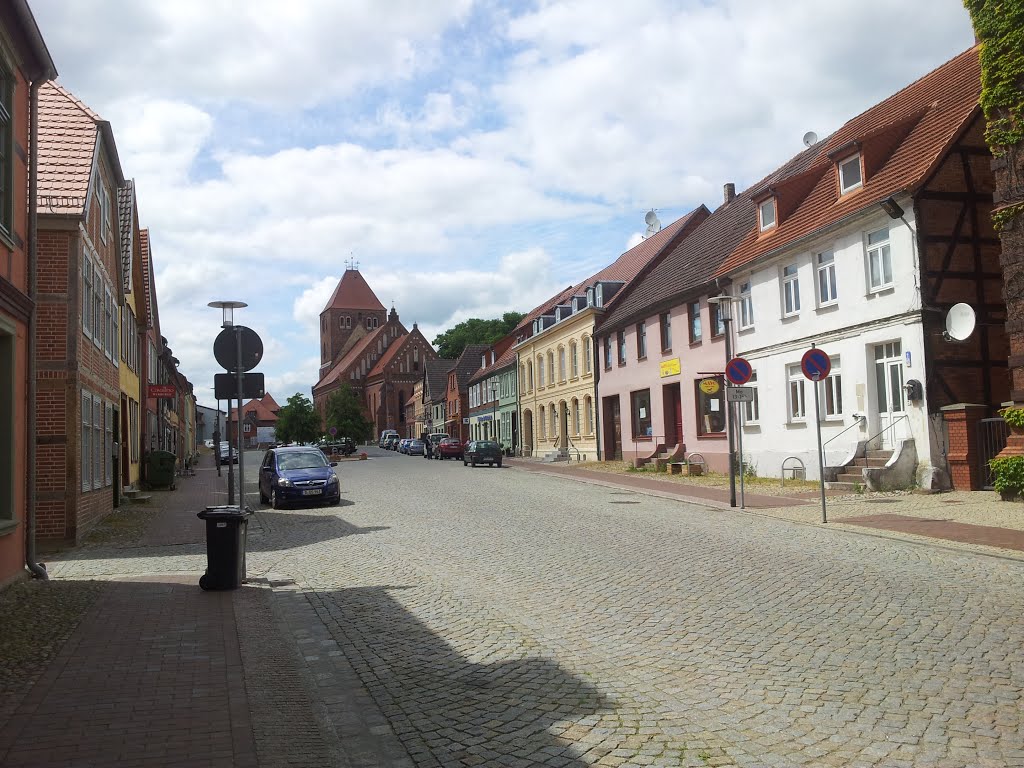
(298, 475)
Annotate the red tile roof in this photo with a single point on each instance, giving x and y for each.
(388, 356)
(339, 368)
(901, 140)
(353, 292)
(148, 282)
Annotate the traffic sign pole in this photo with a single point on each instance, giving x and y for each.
(743, 469)
(817, 424)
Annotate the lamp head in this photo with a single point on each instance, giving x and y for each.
(891, 207)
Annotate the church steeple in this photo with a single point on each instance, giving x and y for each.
(352, 306)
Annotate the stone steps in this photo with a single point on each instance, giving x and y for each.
(136, 496)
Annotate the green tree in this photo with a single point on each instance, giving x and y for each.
(475, 331)
(345, 413)
(298, 421)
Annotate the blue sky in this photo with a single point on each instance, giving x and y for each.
(475, 157)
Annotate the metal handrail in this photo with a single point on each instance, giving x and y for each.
(855, 424)
(901, 418)
(569, 447)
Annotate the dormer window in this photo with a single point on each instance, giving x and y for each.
(850, 175)
(599, 295)
(766, 213)
(590, 297)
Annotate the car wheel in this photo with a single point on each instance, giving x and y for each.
(463, 462)
(472, 462)
(499, 463)
(275, 498)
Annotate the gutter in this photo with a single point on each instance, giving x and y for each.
(37, 569)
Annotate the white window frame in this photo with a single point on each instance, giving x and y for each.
(97, 442)
(790, 277)
(850, 162)
(540, 372)
(574, 359)
(561, 364)
(746, 303)
(825, 271)
(832, 392)
(751, 411)
(87, 278)
(880, 251)
(763, 207)
(796, 395)
(588, 408)
(588, 356)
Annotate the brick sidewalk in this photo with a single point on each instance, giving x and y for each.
(152, 676)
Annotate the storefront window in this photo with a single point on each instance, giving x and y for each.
(710, 392)
(641, 407)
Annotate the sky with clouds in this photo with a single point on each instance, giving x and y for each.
(474, 156)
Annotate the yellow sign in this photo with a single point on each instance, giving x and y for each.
(709, 386)
(670, 367)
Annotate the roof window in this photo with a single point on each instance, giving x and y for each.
(851, 176)
(766, 214)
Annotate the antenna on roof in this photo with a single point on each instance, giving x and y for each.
(810, 139)
(653, 224)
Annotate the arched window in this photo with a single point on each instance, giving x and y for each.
(588, 407)
(574, 363)
(369, 322)
(587, 355)
(522, 378)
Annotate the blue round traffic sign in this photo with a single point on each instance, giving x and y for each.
(738, 371)
(816, 364)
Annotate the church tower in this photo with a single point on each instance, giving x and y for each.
(353, 311)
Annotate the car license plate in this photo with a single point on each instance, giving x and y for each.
(311, 492)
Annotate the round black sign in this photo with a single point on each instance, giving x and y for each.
(225, 348)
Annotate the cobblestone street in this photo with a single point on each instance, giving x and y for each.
(447, 616)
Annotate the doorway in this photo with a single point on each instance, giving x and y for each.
(528, 433)
(673, 404)
(889, 391)
(563, 426)
(612, 428)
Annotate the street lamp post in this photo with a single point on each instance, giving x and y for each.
(724, 304)
(227, 321)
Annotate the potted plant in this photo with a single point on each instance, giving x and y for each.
(1014, 418)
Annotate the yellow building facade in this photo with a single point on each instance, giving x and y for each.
(557, 388)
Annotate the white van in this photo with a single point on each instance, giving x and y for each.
(385, 435)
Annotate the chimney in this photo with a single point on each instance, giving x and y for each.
(730, 192)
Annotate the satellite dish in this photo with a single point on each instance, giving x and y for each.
(653, 224)
(960, 322)
(810, 139)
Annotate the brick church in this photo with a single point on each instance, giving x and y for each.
(364, 345)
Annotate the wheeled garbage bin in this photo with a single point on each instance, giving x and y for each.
(160, 469)
(225, 546)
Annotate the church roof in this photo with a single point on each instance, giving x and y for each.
(353, 292)
(342, 366)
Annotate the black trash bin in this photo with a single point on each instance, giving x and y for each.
(225, 546)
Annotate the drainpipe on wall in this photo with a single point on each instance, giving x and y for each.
(596, 362)
(38, 569)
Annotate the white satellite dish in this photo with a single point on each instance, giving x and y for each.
(960, 321)
(810, 139)
(653, 224)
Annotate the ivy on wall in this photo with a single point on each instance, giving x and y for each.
(999, 25)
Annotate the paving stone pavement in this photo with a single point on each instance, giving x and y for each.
(448, 616)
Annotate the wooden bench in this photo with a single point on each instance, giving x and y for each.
(685, 468)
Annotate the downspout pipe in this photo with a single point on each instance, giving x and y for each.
(38, 569)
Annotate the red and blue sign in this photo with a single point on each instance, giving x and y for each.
(738, 371)
(816, 364)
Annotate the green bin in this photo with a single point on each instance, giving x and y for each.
(160, 469)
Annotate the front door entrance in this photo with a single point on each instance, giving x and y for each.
(563, 426)
(889, 390)
(673, 415)
(612, 429)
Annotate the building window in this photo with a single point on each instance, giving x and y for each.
(879, 260)
(746, 306)
(575, 416)
(797, 409)
(832, 391)
(828, 291)
(551, 366)
(710, 407)
(554, 419)
(693, 312)
(104, 201)
(751, 410)
(588, 353)
(97, 442)
(540, 371)
(574, 362)
(87, 278)
(6, 150)
(790, 290)
(529, 376)
(7, 408)
(766, 213)
(850, 176)
(522, 378)
(665, 324)
(717, 322)
(607, 352)
(621, 345)
(108, 443)
(86, 441)
(588, 409)
(640, 403)
(561, 363)
(543, 424)
(641, 340)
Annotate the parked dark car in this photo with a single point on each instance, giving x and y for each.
(482, 452)
(298, 474)
(449, 448)
(344, 446)
(414, 446)
(222, 453)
